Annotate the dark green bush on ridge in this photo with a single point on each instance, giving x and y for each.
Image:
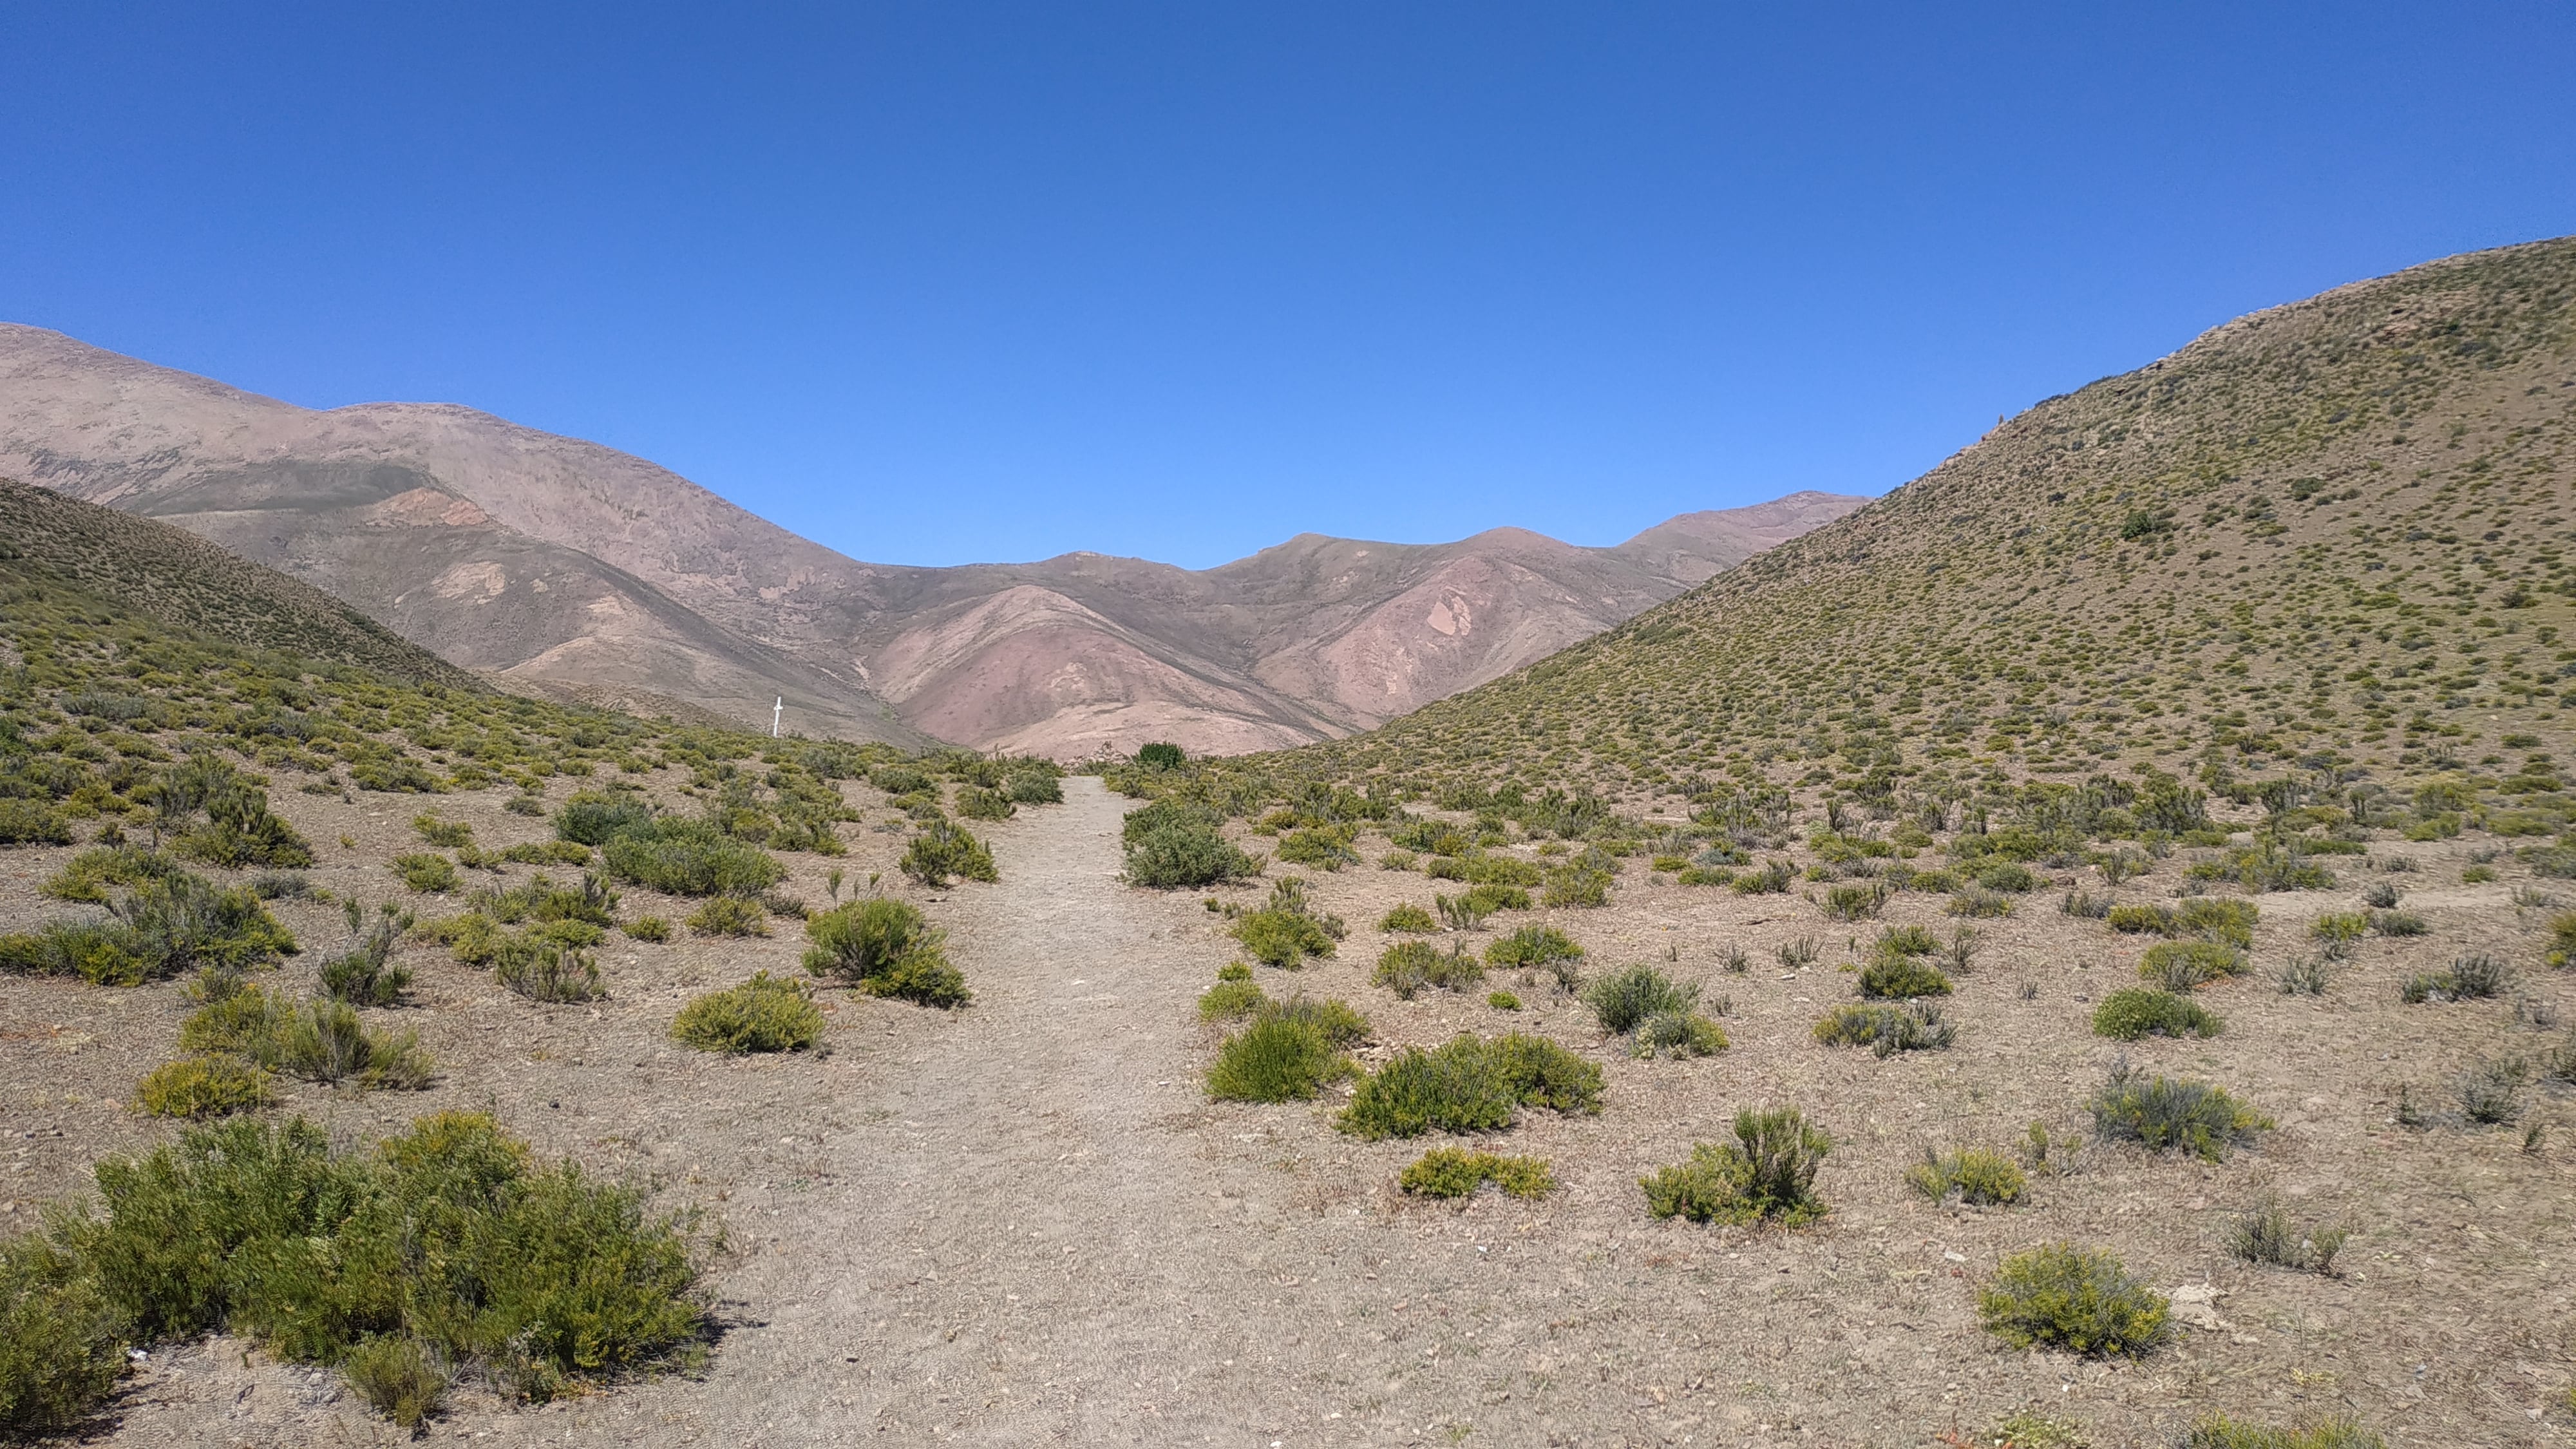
(885, 947)
(688, 858)
(943, 850)
(1171, 845)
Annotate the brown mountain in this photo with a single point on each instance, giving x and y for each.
(567, 568)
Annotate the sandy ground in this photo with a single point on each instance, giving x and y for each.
(1023, 1223)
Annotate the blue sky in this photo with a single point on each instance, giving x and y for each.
(949, 282)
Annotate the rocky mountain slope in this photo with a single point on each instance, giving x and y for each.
(564, 566)
(2322, 542)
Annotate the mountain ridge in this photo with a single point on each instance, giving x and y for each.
(556, 564)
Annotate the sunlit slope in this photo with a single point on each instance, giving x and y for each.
(2326, 536)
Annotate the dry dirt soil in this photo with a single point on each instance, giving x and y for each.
(1024, 1223)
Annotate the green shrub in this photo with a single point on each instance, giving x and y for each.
(943, 850)
(1624, 1000)
(1408, 966)
(426, 872)
(1978, 903)
(901, 780)
(1678, 1034)
(2180, 966)
(1455, 1172)
(2008, 876)
(1577, 887)
(365, 974)
(1980, 1176)
(203, 1086)
(1487, 899)
(1341, 1025)
(1902, 978)
(977, 803)
(730, 916)
(1886, 1029)
(61, 1349)
(2336, 931)
(689, 858)
(1502, 1001)
(1470, 1085)
(1767, 1173)
(88, 875)
(885, 947)
(547, 852)
(2139, 1011)
(525, 805)
(543, 970)
(1173, 845)
(1408, 918)
(2220, 1432)
(1034, 787)
(445, 834)
(2061, 1296)
(1276, 1059)
(31, 822)
(165, 927)
(1227, 1000)
(1160, 756)
(2265, 1234)
(760, 1015)
(399, 1377)
(1855, 902)
(1234, 971)
(648, 928)
(593, 819)
(1532, 946)
(446, 1234)
(2169, 1115)
(316, 1041)
(1281, 937)
(1326, 848)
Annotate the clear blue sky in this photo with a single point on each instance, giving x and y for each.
(945, 282)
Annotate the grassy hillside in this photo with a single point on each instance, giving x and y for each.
(2321, 543)
(172, 576)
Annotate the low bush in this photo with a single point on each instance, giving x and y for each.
(2180, 966)
(400, 1377)
(1408, 966)
(884, 946)
(1978, 903)
(203, 1086)
(760, 1015)
(688, 858)
(1855, 902)
(1171, 845)
(1532, 946)
(1278, 1058)
(427, 872)
(2266, 1234)
(2085, 1302)
(317, 1041)
(365, 975)
(729, 916)
(1902, 978)
(1677, 1034)
(593, 818)
(977, 803)
(942, 851)
(1470, 1085)
(648, 928)
(1772, 879)
(61, 1344)
(2490, 1093)
(2140, 1011)
(2221, 1432)
(1624, 1000)
(1034, 787)
(1326, 848)
(2165, 1114)
(1978, 1176)
(31, 822)
(1886, 1029)
(1452, 1172)
(1767, 1173)
(1503, 1001)
(1341, 1025)
(165, 927)
(445, 834)
(1228, 1000)
(1409, 919)
(549, 971)
(1284, 938)
(2008, 876)
(447, 1235)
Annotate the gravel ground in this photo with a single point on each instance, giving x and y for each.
(1024, 1223)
